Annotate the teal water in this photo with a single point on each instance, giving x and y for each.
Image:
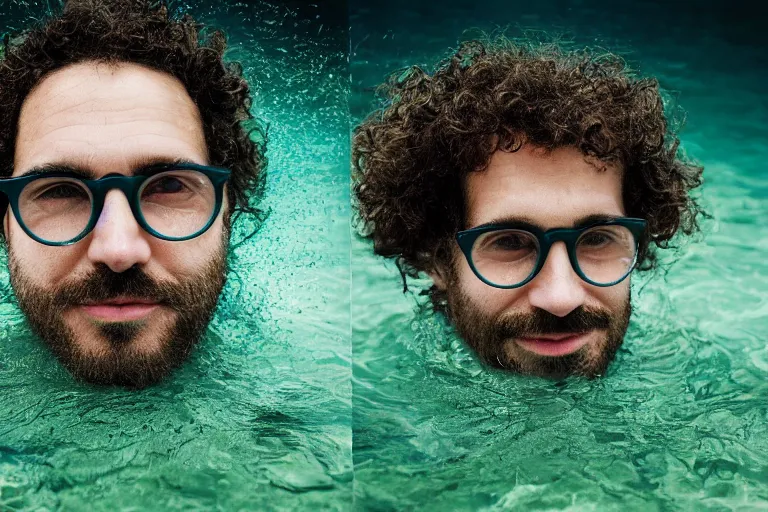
(260, 417)
(680, 421)
(279, 400)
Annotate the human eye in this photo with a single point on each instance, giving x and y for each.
(512, 242)
(606, 238)
(504, 246)
(597, 238)
(61, 190)
(508, 241)
(165, 185)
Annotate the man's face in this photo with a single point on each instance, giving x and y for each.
(120, 306)
(539, 328)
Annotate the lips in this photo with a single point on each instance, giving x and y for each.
(120, 309)
(554, 345)
(123, 301)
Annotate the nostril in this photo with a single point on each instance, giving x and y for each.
(557, 290)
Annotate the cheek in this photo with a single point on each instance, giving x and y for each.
(492, 301)
(40, 264)
(188, 257)
(612, 297)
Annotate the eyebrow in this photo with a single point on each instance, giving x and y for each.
(143, 167)
(527, 222)
(51, 168)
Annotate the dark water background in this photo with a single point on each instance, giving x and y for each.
(680, 422)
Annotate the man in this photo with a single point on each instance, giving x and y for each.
(528, 182)
(124, 150)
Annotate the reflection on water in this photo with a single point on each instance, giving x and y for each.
(260, 416)
(681, 419)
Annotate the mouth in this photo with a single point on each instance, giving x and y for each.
(554, 345)
(120, 309)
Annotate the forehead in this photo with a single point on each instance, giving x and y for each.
(104, 118)
(548, 189)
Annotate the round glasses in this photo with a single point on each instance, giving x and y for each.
(509, 256)
(172, 202)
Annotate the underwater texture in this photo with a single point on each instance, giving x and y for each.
(259, 418)
(680, 420)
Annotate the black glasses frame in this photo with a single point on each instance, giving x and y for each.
(131, 186)
(467, 238)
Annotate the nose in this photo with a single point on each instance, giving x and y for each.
(557, 288)
(117, 240)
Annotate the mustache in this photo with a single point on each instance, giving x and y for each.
(541, 322)
(103, 284)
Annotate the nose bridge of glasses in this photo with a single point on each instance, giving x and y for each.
(101, 189)
(553, 238)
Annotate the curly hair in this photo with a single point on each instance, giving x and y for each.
(114, 31)
(410, 158)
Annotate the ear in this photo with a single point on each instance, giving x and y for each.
(438, 277)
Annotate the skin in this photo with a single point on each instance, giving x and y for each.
(548, 189)
(110, 119)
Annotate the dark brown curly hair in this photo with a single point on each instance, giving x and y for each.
(410, 157)
(137, 31)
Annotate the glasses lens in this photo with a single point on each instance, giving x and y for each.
(606, 254)
(177, 203)
(55, 209)
(505, 257)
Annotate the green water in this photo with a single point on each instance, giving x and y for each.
(680, 422)
(316, 359)
(260, 417)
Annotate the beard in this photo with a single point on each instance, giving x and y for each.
(492, 338)
(120, 361)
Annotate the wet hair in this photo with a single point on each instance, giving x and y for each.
(142, 32)
(411, 157)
